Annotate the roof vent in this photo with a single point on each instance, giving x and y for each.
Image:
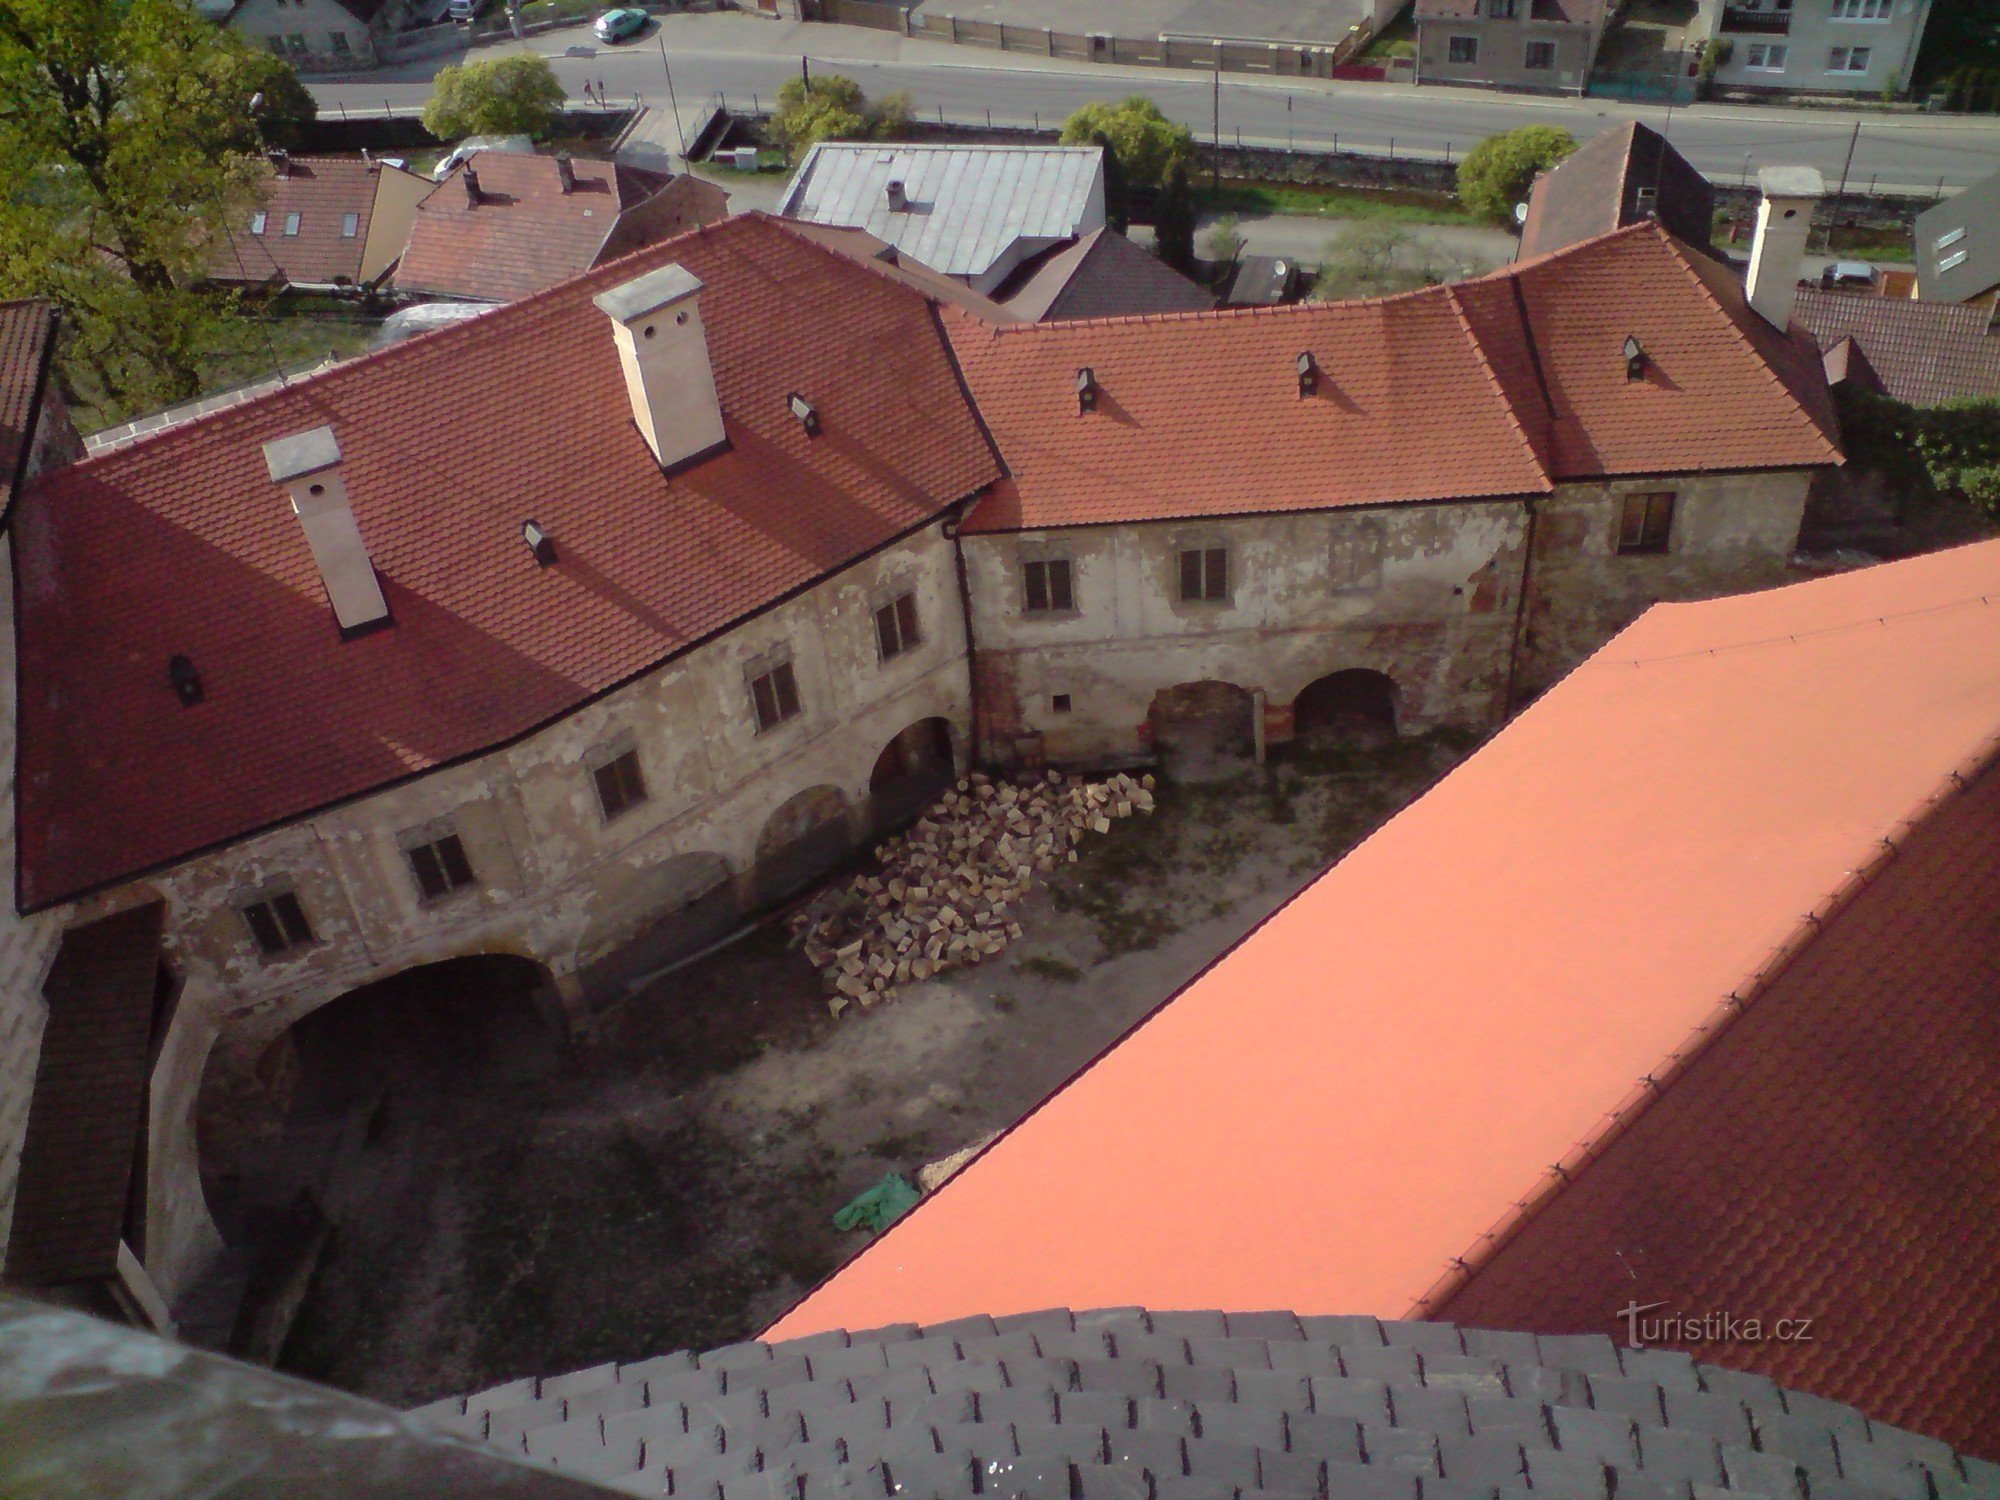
(656, 324)
(281, 162)
(897, 201)
(1635, 358)
(806, 413)
(565, 172)
(308, 466)
(184, 680)
(539, 543)
(471, 179)
(1086, 390)
(1308, 375)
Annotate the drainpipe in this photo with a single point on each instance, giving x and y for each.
(951, 530)
(1520, 610)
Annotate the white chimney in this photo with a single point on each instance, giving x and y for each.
(656, 322)
(308, 466)
(1777, 254)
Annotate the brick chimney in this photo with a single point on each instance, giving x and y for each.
(307, 465)
(281, 162)
(471, 179)
(1777, 253)
(656, 323)
(566, 173)
(898, 200)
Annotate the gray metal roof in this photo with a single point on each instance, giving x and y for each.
(1958, 244)
(1202, 1406)
(967, 206)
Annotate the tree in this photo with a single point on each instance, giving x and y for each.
(1173, 222)
(1222, 241)
(1148, 144)
(1360, 261)
(833, 108)
(286, 111)
(126, 141)
(1497, 173)
(502, 96)
(1117, 192)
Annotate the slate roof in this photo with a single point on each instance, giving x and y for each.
(27, 342)
(1597, 189)
(181, 544)
(1102, 275)
(89, 1098)
(1926, 353)
(1487, 388)
(322, 191)
(969, 206)
(1367, 1091)
(525, 233)
(1967, 224)
(1198, 1406)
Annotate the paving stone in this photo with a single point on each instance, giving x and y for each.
(504, 1425)
(977, 1326)
(605, 1462)
(1084, 1409)
(1161, 1348)
(1118, 1377)
(1468, 1374)
(1638, 1399)
(1308, 1357)
(1693, 1456)
(1237, 1353)
(677, 1363)
(1880, 1466)
(1829, 1414)
(999, 1346)
(1590, 1353)
(1281, 1390)
(1107, 1482)
(1606, 1436)
(1847, 1489)
(905, 1385)
(661, 1427)
(1770, 1474)
(835, 1338)
(1980, 1476)
(744, 1412)
(943, 1475)
(565, 1437)
(1345, 1481)
(1342, 1329)
(1193, 1489)
(1507, 1345)
(1176, 1417)
(1638, 1484)
(446, 1417)
(1908, 1446)
(952, 1377)
(920, 1354)
(1191, 1383)
(1302, 1473)
(864, 1422)
(1078, 1444)
(1264, 1325)
(1723, 1418)
(1041, 1479)
(1550, 1387)
(1048, 1320)
(1158, 1453)
(1671, 1368)
(1214, 1458)
(1751, 1390)
(1446, 1489)
(1190, 1325)
(1441, 1412)
(1479, 1460)
(607, 1401)
(1401, 1448)
(1975, 1484)
(499, 1397)
(1035, 1405)
(1397, 1366)
(1573, 1476)
(1424, 1337)
(1805, 1439)
(1084, 1344)
(735, 1356)
(1259, 1426)
(859, 1359)
(1336, 1438)
(1113, 1320)
(677, 1385)
(946, 1410)
(1526, 1422)
(784, 1369)
(579, 1381)
(1364, 1400)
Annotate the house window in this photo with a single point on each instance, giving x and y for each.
(620, 783)
(1849, 59)
(291, 225)
(1204, 575)
(296, 42)
(1059, 703)
(437, 859)
(1462, 49)
(350, 226)
(896, 626)
(278, 923)
(1861, 10)
(1646, 522)
(775, 695)
(276, 44)
(257, 222)
(337, 40)
(1541, 57)
(1498, 10)
(1356, 563)
(1765, 57)
(1047, 585)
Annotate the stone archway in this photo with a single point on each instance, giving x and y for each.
(1203, 728)
(913, 769)
(801, 841)
(662, 912)
(1356, 706)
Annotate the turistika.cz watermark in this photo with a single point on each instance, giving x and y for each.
(1708, 1327)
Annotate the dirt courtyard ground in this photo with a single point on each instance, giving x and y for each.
(517, 1207)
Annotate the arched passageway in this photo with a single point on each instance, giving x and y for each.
(910, 773)
(801, 841)
(1356, 707)
(1203, 728)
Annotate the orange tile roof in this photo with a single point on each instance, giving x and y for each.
(322, 191)
(181, 544)
(1499, 386)
(1354, 1096)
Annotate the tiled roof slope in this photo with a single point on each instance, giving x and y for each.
(1855, 1178)
(27, 327)
(525, 233)
(321, 190)
(1103, 275)
(1198, 1406)
(1354, 1097)
(1492, 387)
(1596, 190)
(1925, 353)
(181, 544)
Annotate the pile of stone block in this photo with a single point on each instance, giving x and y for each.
(941, 897)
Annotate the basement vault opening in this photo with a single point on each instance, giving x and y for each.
(912, 771)
(1203, 728)
(1356, 706)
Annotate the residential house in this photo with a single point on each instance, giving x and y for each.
(1925, 353)
(1676, 996)
(1099, 275)
(319, 36)
(505, 225)
(1816, 46)
(1542, 46)
(976, 213)
(1617, 177)
(1958, 247)
(322, 223)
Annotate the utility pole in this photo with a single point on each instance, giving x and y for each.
(1845, 167)
(672, 103)
(1215, 137)
(806, 71)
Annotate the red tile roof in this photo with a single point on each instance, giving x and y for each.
(27, 333)
(1925, 353)
(1101, 275)
(322, 191)
(1499, 386)
(181, 544)
(1355, 1096)
(526, 233)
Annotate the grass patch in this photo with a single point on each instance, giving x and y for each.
(1046, 966)
(1311, 200)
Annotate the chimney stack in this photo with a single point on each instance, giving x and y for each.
(897, 200)
(307, 464)
(471, 187)
(566, 173)
(281, 162)
(656, 323)
(1777, 253)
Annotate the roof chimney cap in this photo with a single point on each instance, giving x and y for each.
(471, 187)
(896, 195)
(1791, 182)
(281, 161)
(648, 293)
(301, 454)
(565, 172)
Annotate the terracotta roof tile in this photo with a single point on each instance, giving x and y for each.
(322, 191)
(181, 544)
(27, 327)
(1926, 353)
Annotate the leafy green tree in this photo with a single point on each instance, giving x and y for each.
(1147, 142)
(1222, 240)
(1497, 173)
(517, 95)
(1117, 192)
(126, 141)
(286, 110)
(1173, 222)
(833, 108)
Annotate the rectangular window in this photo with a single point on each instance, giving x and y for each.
(1204, 575)
(278, 923)
(338, 41)
(1765, 57)
(1356, 562)
(1861, 10)
(776, 696)
(257, 222)
(1048, 586)
(1646, 522)
(291, 224)
(896, 626)
(350, 226)
(296, 42)
(1849, 59)
(439, 863)
(620, 784)
(1541, 56)
(1463, 49)
(1498, 10)
(276, 44)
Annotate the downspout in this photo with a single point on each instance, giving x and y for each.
(1520, 611)
(951, 528)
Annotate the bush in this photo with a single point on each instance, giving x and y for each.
(502, 96)
(1955, 447)
(1173, 223)
(1222, 241)
(1497, 173)
(1148, 144)
(833, 108)
(287, 109)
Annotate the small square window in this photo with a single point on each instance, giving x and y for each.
(1646, 522)
(621, 785)
(1463, 49)
(350, 226)
(337, 40)
(1766, 57)
(438, 861)
(1204, 575)
(1059, 703)
(1849, 59)
(1541, 57)
(277, 923)
(291, 225)
(775, 695)
(896, 626)
(1047, 586)
(257, 222)
(296, 42)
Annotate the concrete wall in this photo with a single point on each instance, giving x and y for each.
(1809, 40)
(1423, 593)
(1503, 53)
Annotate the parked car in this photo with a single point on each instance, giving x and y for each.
(464, 11)
(1844, 274)
(616, 25)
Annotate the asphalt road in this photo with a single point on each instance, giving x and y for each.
(742, 59)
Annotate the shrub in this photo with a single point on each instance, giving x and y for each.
(501, 96)
(1222, 241)
(833, 108)
(1497, 173)
(1148, 144)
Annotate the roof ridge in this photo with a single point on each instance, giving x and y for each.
(1675, 1066)
(1282, 310)
(1499, 387)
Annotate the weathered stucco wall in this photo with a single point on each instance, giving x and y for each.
(1423, 593)
(1731, 533)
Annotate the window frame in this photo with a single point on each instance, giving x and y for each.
(290, 229)
(1841, 60)
(350, 226)
(338, 44)
(1049, 591)
(1468, 44)
(280, 907)
(1780, 51)
(1356, 536)
(1654, 535)
(1204, 554)
(1528, 63)
(258, 220)
(898, 627)
(785, 703)
(441, 844)
(619, 758)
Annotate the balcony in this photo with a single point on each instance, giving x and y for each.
(1736, 20)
